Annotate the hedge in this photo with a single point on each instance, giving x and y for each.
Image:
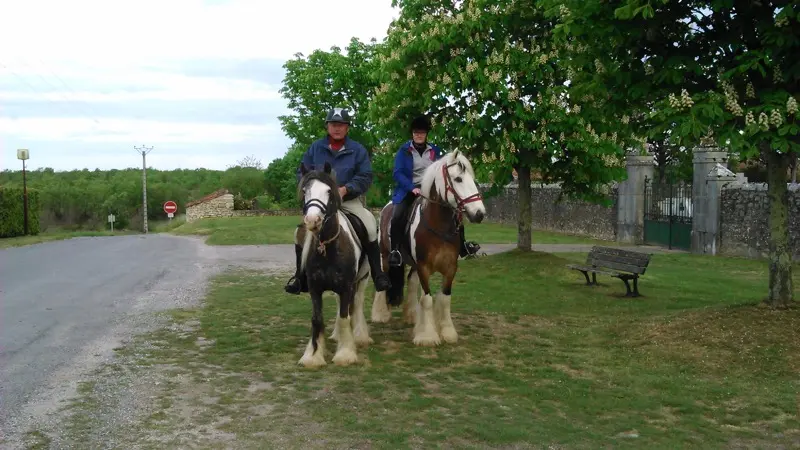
(12, 222)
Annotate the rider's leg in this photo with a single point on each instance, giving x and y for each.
(380, 278)
(467, 248)
(297, 283)
(399, 215)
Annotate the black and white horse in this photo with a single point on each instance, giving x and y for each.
(333, 260)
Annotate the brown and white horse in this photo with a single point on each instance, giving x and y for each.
(431, 244)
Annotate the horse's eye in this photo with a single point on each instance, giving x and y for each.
(459, 180)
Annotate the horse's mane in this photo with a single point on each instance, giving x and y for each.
(435, 170)
(335, 200)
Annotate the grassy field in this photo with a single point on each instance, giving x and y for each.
(543, 360)
(280, 230)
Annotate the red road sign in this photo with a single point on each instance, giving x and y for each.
(170, 207)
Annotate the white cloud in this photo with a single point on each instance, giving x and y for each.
(79, 56)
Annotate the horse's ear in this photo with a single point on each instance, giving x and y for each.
(303, 169)
(327, 167)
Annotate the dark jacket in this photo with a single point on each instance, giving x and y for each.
(404, 170)
(351, 165)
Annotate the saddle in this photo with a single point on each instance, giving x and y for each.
(357, 228)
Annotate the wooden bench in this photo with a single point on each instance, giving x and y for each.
(623, 264)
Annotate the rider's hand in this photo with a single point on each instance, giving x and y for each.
(416, 191)
(342, 191)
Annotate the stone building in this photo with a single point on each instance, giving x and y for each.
(216, 204)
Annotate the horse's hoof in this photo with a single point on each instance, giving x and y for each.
(311, 362)
(345, 357)
(363, 341)
(449, 335)
(427, 340)
(381, 316)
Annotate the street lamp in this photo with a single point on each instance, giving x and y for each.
(23, 154)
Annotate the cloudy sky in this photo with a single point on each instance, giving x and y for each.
(84, 81)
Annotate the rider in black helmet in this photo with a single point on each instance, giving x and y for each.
(410, 163)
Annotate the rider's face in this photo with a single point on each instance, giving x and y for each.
(337, 130)
(419, 136)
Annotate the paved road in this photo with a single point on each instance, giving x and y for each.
(66, 304)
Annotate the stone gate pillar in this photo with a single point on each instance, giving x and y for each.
(708, 231)
(630, 199)
(705, 158)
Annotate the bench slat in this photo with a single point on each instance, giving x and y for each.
(619, 253)
(635, 261)
(619, 266)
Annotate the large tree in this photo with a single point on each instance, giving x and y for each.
(325, 79)
(487, 72)
(722, 71)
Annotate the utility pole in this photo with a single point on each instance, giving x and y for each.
(144, 151)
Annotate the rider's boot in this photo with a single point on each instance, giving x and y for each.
(379, 277)
(298, 282)
(467, 248)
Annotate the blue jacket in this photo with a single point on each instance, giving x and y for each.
(404, 170)
(351, 165)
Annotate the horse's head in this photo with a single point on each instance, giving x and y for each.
(453, 180)
(320, 196)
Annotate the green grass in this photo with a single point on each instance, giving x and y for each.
(280, 230)
(542, 360)
(56, 235)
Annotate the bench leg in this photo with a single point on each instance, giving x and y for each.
(635, 291)
(593, 282)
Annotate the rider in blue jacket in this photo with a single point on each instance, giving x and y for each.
(410, 163)
(350, 161)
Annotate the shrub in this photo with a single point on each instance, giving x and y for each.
(12, 221)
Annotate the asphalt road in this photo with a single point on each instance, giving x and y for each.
(65, 305)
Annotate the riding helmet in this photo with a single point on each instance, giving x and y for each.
(421, 123)
(339, 115)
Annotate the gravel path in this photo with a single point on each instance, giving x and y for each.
(68, 304)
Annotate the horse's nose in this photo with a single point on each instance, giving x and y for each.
(478, 216)
(312, 222)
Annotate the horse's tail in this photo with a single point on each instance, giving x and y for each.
(394, 296)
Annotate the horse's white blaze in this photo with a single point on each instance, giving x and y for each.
(380, 310)
(445, 323)
(346, 347)
(425, 330)
(413, 230)
(320, 191)
(412, 299)
(311, 359)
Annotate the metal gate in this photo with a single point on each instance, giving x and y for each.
(668, 214)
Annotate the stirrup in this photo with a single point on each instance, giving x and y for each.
(294, 285)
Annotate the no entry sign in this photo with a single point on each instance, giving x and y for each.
(170, 207)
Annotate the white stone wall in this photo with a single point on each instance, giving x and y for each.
(221, 206)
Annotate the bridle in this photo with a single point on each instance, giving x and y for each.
(459, 208)
(307, 204)
(448, 187)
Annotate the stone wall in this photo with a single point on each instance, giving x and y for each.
(549, 214)
(744, 219)
(221, 206)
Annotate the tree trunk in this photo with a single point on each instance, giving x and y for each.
(524, 201)
(780, 257)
